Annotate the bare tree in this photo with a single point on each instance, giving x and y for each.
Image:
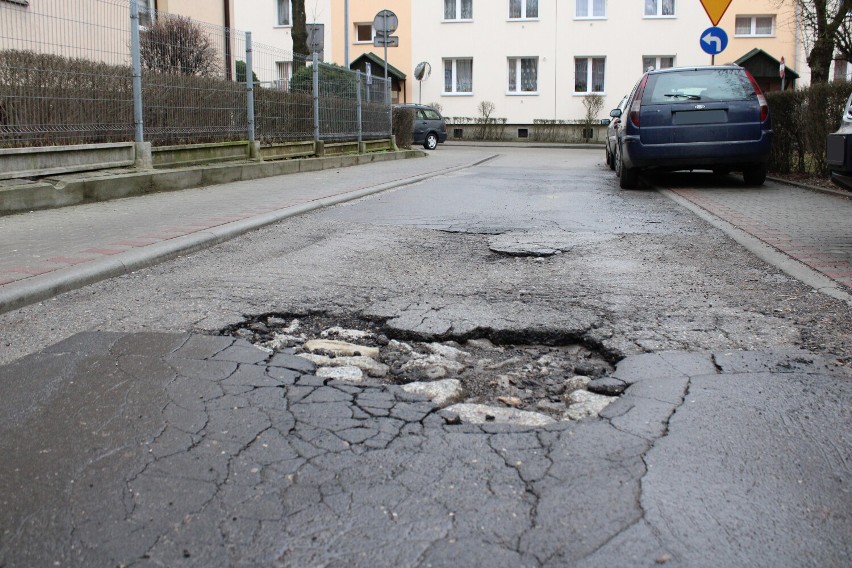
(593, 105)
(486, 109)
(824, 27)
(177, 45)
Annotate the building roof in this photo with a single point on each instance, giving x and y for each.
(762, 64)
(378, 65)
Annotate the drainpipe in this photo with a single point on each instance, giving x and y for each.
(228, 55)
(555, 59)
(346, 33)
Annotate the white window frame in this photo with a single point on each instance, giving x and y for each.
(457, 14)
(278, 15)
(657, 61)
(518, 65)
(372, 33)
(659, 10)
(523, 11)
(590, 8)
(589, 76)
(454, 79)
(753, 25)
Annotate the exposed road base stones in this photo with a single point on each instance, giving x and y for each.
(524, 379)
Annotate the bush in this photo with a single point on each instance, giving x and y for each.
(801, 121)
(177, 45)
(403, 126)
(49, 99)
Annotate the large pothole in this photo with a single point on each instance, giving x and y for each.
(491, 373)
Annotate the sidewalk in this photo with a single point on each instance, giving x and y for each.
(52, 251)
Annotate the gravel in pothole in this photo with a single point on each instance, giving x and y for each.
(560, 381)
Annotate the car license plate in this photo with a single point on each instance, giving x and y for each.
(700, 116)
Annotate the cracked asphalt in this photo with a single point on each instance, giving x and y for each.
(132, 434)
(154, 449)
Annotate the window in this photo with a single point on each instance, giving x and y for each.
(589, 72)
(591, 9)
(285, 13)
(285, 72)
(458, 9)
(458, 76)
(755, 26)
(657, 62)
(523, 9)
(523, 74)
(147, 12)
(364, 33)
(660, 8)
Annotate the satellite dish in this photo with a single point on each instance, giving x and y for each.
(422, 71)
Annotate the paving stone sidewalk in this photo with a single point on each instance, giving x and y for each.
(187, 450)
(811, 227)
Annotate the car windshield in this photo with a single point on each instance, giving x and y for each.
(698, 85)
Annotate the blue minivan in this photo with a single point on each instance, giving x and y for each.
(689, 118)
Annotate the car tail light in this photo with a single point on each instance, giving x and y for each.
(636, 106)
(764, 108)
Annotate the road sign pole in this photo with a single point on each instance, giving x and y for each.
(387, 87)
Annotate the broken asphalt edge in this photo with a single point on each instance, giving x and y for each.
(37, 288)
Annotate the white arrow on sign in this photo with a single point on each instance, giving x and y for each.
(710, 38)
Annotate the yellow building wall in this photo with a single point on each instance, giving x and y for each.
(781, 44)
(364, 11)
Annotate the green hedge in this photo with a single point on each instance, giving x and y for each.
(801, 120)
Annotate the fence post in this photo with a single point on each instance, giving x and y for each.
(315, 70)
(359, 112)
(142, 149)
(254, 147)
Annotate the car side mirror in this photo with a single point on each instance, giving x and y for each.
(605, 121)
(615, 113)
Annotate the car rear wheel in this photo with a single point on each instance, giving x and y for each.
(628, 178)
(755, 175)
(431, 141)
(610, 160)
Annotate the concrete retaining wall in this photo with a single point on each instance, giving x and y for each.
(194, 154)
(48, 160)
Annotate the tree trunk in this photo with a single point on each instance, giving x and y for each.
(300, 29)
(819, 60)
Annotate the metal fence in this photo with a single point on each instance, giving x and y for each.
(67, 77)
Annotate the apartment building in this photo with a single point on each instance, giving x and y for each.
(537, 59)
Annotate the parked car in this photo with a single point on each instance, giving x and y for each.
(689, 118)
(430, 128)
(839, 150)
(611, 130)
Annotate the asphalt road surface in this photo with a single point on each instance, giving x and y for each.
(150, 441)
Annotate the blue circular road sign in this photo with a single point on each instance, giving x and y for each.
(714, 40)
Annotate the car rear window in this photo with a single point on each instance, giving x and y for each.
(698, 85)
(431, 114)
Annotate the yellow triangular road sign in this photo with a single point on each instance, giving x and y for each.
(715, 9)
